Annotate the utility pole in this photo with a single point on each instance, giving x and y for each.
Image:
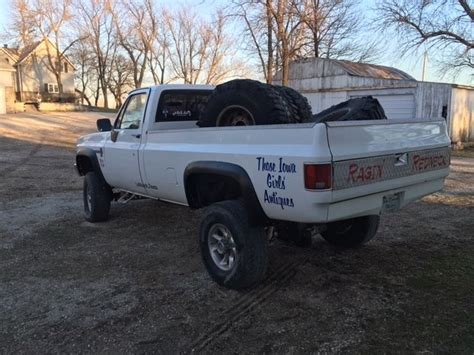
(425, 62)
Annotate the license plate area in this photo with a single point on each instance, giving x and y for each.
(391, 203)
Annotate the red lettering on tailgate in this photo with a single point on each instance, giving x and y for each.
(364, 173)
(424, 163)
(352, 170)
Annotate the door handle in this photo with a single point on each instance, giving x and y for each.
(138, 135)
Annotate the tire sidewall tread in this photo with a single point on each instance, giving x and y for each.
(252, 258)
(100, 198)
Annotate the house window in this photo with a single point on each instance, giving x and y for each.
(52, 88)
(61, 66)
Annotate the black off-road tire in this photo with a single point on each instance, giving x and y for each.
(299, 105)
(292, 233)
(363, 108)
(351, 233)
(250, 242)
(244, 102)
(97, 196)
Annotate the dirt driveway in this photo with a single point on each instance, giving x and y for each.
(136, 283)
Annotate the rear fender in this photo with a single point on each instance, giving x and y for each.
(228, 170)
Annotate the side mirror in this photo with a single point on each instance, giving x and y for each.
(104, 125)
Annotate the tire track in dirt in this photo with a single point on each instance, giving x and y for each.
(249, 301)
(11, 168)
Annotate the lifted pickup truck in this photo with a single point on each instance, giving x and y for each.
(254, 181)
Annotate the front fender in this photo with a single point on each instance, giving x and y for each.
(86, 161)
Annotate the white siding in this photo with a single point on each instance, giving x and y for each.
(398, 107)
(431, 98)
(34, 72)
(397, 104)
(322, 100)
(462, 115)
(6, 77)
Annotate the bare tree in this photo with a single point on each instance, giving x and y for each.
(185, 44)
(281, 31)
(158, 55)
(136, 27)
(85, 69)
(50, 18)
(45, 20)
(289, 34)
(334, 29)
(200, 51)
(259, 28)
(446, 26)
(22, 30)
(122, 72)
(276, 33)
(94, 18)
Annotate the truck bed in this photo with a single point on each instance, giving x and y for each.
(372, 163)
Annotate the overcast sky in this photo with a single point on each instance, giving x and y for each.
(410, 62)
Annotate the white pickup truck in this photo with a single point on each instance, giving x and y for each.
(294, 180)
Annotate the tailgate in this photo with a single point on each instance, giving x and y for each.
(386, 154)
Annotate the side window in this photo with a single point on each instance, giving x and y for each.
(181, 106)
(133, 113)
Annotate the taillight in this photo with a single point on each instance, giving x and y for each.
(318, 176)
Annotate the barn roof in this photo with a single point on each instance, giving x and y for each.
(372, 70)
(322, 67)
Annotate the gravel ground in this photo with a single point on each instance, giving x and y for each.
(136, 283)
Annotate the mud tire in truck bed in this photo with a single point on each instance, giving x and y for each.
(299, 105)
(363, 108)
(244, 102)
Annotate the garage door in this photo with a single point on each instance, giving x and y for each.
(3, 104)
(398, 107)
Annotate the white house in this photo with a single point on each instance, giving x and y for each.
(26, 77)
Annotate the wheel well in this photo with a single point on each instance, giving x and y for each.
(203, 189)
(84, 164)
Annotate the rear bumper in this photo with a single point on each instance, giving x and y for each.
(372, 204)
(323, 207)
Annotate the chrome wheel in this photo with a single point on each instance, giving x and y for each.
(236, 116)
(222, 247)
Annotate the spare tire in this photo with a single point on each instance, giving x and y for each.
(244, 102)
(299, 105)
(363, 108)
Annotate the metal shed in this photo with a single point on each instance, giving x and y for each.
(326, 82)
